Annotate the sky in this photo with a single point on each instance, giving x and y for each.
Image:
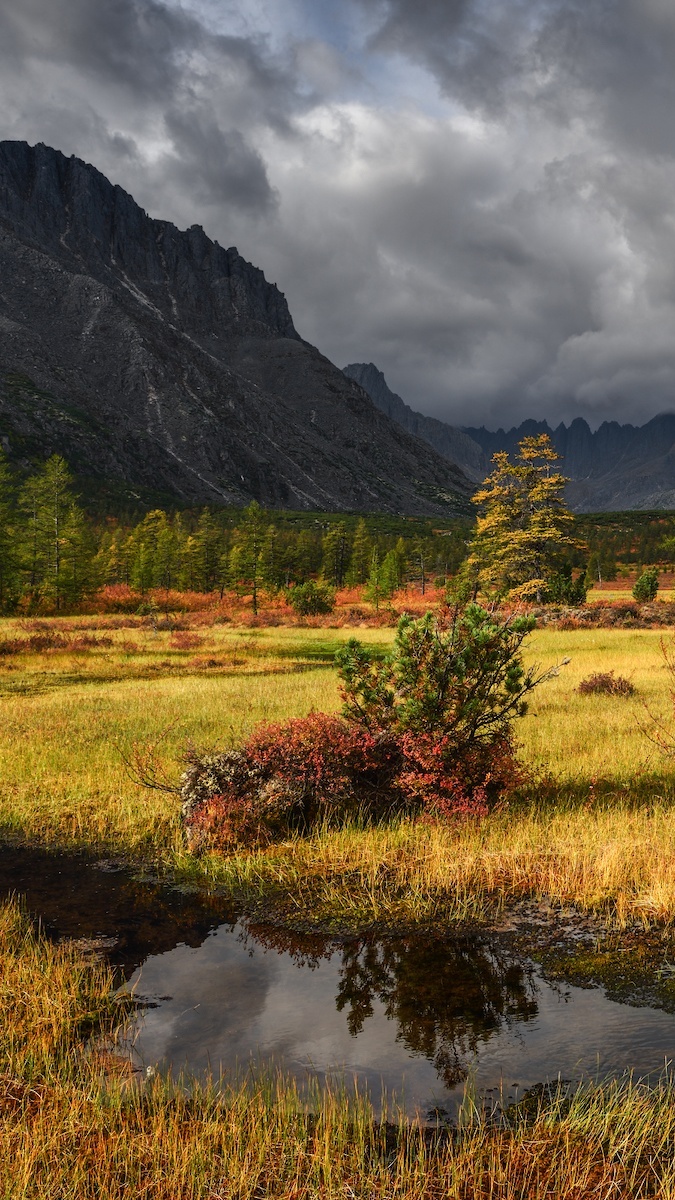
(476, 195)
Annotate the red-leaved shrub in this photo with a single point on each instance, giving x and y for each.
(289, 777)
(441, 784)
(425, 730)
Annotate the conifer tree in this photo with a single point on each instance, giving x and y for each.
(54, 524)
(207, 551)
(165, 559)
(376, 587)
(401, 563)
(77, 574)
(307, 560)
(272, 568)
(523, 525)
(335, 555)
(8, 556)
(391, 572)
(418, 563)
(153, 557)
(362, 553)
(189, 565)
(246, 556)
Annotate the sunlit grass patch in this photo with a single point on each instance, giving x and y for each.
(598, 831)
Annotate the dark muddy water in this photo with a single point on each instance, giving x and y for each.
(412, 1015)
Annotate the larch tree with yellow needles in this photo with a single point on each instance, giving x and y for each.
(524, 527)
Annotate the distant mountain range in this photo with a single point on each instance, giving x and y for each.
(617, 467)
(161, 365)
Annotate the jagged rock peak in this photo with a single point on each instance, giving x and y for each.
(153, 359)
(67, 207)
(447, 440)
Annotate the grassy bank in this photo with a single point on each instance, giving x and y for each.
(599, 831)
(611, 859)
(76, 1125)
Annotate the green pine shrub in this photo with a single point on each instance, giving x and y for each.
(428, 730)
(311, 599)
(646, 585)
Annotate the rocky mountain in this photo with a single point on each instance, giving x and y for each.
(158, 362)
(616, 467)
(612, 468)
(452, 443)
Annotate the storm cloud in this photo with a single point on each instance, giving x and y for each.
(477, 197)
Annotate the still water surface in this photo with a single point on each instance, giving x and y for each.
(412, 1015)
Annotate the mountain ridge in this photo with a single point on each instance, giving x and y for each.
(448, 440)
(155, 358)
(616, 467)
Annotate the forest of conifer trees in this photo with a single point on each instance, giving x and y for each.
(53, 554)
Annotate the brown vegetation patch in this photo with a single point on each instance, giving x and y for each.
(606, 683)
(181, 640)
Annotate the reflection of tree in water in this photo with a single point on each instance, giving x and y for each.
(446, 997)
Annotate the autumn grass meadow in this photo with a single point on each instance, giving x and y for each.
(596, 827)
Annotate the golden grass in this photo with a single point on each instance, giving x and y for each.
(580, 738)
(613, 860)
(63, 739)
(76, 1127)
(600, 834)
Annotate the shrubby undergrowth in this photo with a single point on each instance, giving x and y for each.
(606, 683)
(428, 730)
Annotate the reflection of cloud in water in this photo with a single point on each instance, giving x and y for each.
(218, 993)
(410, 1014)
(387, 1010)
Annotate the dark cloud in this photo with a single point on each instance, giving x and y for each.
(474, 49)
(157, 70)
(477, 196)
(217, 165)
(133, 43)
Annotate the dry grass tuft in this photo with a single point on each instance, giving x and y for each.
(606, 683)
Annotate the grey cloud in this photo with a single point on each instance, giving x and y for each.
(521, 302)
(608, 60)
(618, 60)
(119, 74)
(473, 48)
(216, 165)
(136, 43)
(504, 252)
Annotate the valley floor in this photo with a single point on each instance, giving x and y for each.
(593, 834)
(595, 829)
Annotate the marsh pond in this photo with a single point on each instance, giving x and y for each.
(414, 1016)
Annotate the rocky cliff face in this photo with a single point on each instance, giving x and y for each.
(157, 359)
(616, 467)
(452, 443)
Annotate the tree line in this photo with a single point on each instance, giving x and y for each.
(525, 543)
(53, 554)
